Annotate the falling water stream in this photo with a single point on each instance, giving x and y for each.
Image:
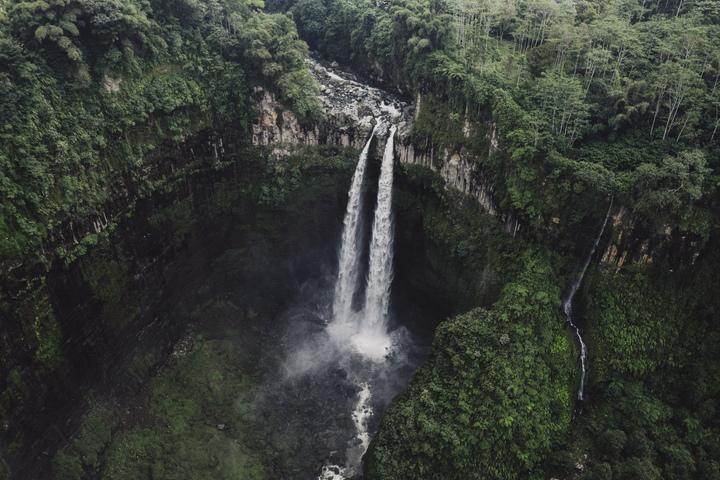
(348, 264)
(567, 304)
(377, 295)
(364, 333)
(285, 339)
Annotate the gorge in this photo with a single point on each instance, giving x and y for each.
(349, 239)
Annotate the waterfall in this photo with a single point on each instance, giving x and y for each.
(348, 268)
(377, 295)
(365, 331)
(567, 304)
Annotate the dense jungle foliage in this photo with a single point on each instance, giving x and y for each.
(591, 101)
(495, 378)
(165, 432)
(88, 89)
(97, 99)
(590, 97)
(588, 102)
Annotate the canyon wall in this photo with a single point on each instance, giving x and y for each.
(351, 108)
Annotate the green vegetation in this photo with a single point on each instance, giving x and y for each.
(113, 278)
(654, 390)
(97, 99)
(565, 83)
(194, 416)
(180, 435)
(562, 104)
(44, 330)
(633, 327)
(91, 89)
(90, 442)
(494, 395)
(109, 280)
(187, 403)
(465, 256)
(586, 100)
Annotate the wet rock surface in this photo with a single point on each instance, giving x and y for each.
(350, 110)
(351, 107)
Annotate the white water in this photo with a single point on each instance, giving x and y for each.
(567, 305)
(361, 417)
(332, 472)
(365, 332)
(348, 267)
(380, 274)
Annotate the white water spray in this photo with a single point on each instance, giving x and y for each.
(366, 331)
(348, 268)
(567, 304)
(380, 275)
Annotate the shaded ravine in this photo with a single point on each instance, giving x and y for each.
(567, 305)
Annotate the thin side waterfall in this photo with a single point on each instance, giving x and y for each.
(380, 274)
(348, 267)
(567, 304)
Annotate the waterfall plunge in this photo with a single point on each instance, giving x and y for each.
(366, 331)
(567, 305)
(348, 268)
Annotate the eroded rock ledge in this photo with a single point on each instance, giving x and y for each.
(351, 108)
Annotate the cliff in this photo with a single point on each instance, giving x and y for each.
(350, 109)
(464, 157)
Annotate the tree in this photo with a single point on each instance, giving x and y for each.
(560, 100)
(55, 21)
(493, 396)
(672, 185)
(310, 16)
(536, 19)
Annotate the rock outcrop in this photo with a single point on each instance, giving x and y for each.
(633, 241)
(458, 168)
(350, 110)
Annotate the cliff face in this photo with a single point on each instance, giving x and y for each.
(631, 241)
(351, 109)
(458, 167)
(99, 326)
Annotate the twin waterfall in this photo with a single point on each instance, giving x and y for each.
(366, 330)
(567, 304)
(349, 262)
